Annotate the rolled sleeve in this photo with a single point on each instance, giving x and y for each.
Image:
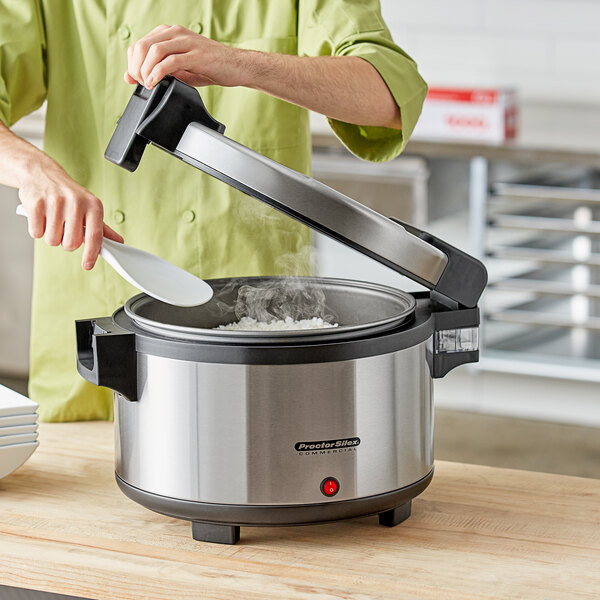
(350, 28)
(22, 65)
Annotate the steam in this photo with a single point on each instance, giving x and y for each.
(278, 299)
(290, 294)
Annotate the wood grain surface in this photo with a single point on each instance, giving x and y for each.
(477, 532)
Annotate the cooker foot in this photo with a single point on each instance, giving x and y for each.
(218, 534)
(391, 518)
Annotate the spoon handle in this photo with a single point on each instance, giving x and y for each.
(21, 210)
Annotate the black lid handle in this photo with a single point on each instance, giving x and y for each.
(160, 116)
(464, 277)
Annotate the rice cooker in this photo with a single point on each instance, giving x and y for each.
(229, 428)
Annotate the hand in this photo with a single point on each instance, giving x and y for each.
(64, 211)
(192, 58)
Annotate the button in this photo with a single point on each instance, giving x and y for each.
(189, 216)
(330, 486)
(195, 27)
(124, 32)
(118, 216)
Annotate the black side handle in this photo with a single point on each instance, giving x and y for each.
(160, 116)
(106, 355)
(455, 339)
(464, 277)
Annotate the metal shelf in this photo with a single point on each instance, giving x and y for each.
(552, 248)
(569, 218)
(564, 345)
(562, 185)
(542, 310)
(542, 351)
(568, 311)
(562, 281)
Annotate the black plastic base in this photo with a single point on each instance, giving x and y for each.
(218, 534)
(391, 518)
(221, 522)
(230, 534)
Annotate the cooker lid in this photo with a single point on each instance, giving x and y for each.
(172, 116)
(358, 308)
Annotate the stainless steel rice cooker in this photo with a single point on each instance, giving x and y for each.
(227, 428)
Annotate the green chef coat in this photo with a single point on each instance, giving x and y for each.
(72, 53)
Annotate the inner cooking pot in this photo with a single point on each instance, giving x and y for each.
(359, 308)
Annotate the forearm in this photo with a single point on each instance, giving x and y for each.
(18, 158)
(346, 88)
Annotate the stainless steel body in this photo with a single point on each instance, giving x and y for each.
(229, 434)
(248, 419)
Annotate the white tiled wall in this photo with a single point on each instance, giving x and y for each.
(548, 49)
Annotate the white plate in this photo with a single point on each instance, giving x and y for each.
(9, 440)
(11, 420)
(12, 457)
(14, 430)
(12, 403)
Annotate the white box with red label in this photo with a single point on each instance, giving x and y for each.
(485, 115)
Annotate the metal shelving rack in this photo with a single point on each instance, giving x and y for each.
(542, 309)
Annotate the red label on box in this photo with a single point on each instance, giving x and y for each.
(479, 96)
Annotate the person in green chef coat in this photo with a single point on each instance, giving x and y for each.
(261, 64)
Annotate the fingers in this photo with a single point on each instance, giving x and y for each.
(111, 234)
(169, 50)
(65, 219)
(55, 221)
(171, 64)
(36, 217)
(133, 64)
(136, 54)
(165, 46)
(94, 229)
(73, 229)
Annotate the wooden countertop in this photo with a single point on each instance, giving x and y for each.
(548, 132)
(476, 533)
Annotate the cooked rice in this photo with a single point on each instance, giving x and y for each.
(250, 324)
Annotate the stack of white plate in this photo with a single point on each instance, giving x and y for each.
(18, 430)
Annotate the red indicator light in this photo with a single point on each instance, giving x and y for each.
(330, 486)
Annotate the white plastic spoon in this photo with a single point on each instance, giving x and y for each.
(151, 274)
